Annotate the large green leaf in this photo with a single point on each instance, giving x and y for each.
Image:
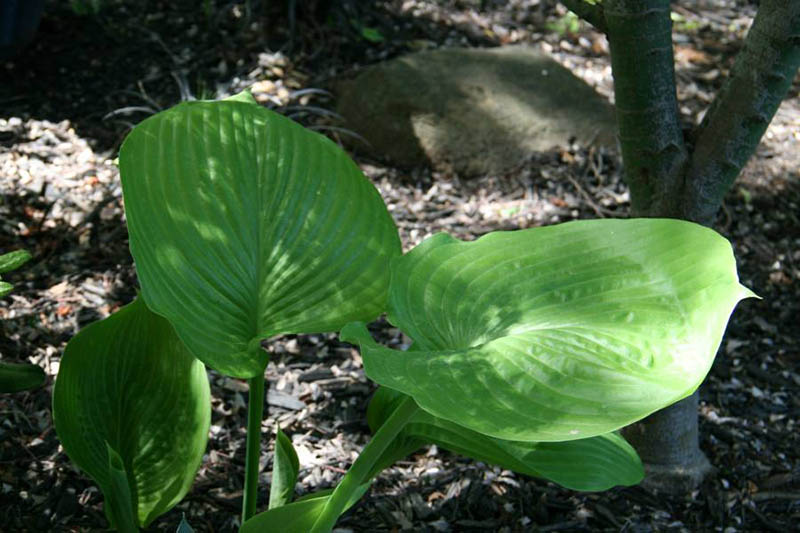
(593, 464)
(128, 384)
(245, 225)
(557, 333)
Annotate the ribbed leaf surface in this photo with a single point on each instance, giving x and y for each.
(245, 225)
(593, 464)
(128, 383)
(557, 333)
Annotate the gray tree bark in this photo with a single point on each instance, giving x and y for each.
(744, 107)
(670, 177)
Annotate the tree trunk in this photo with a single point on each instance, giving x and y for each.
(744, 107)
(653, 150)
(667, 444)
(655, 156)
(667, 178)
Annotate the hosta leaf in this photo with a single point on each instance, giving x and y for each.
(127, 383)
(557, 333)
(245, 225)
(296, 517)
(285, 467)
(11, 261)
(15, 377)
(5, 288)
(593, 464)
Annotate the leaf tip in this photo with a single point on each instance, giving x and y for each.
(245, 96)
(184, 526)
(114, 460)
(745, 293)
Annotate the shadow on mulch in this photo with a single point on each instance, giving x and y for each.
(139, 56)
(106, 72)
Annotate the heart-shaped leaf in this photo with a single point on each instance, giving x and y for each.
(593, 464)
(128, 384)
(245, 225)
(557, 333)
(285, 467)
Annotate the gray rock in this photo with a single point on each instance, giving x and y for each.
(475, 111)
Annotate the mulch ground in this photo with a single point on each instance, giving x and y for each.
(66, 104)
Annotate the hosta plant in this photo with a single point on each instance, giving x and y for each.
(15, 377)
(131, 407)
(531, 348)
(243, 226)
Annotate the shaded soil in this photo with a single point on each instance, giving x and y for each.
(67, 102)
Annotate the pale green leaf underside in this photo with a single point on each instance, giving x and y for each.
(128, 381)
(593, 464)
(245, 225)
(557, 333)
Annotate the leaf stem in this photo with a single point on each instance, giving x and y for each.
(255, 413)
(360, 470)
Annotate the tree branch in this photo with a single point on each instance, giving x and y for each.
(591, 13)
(744, 107)
(653, 150)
